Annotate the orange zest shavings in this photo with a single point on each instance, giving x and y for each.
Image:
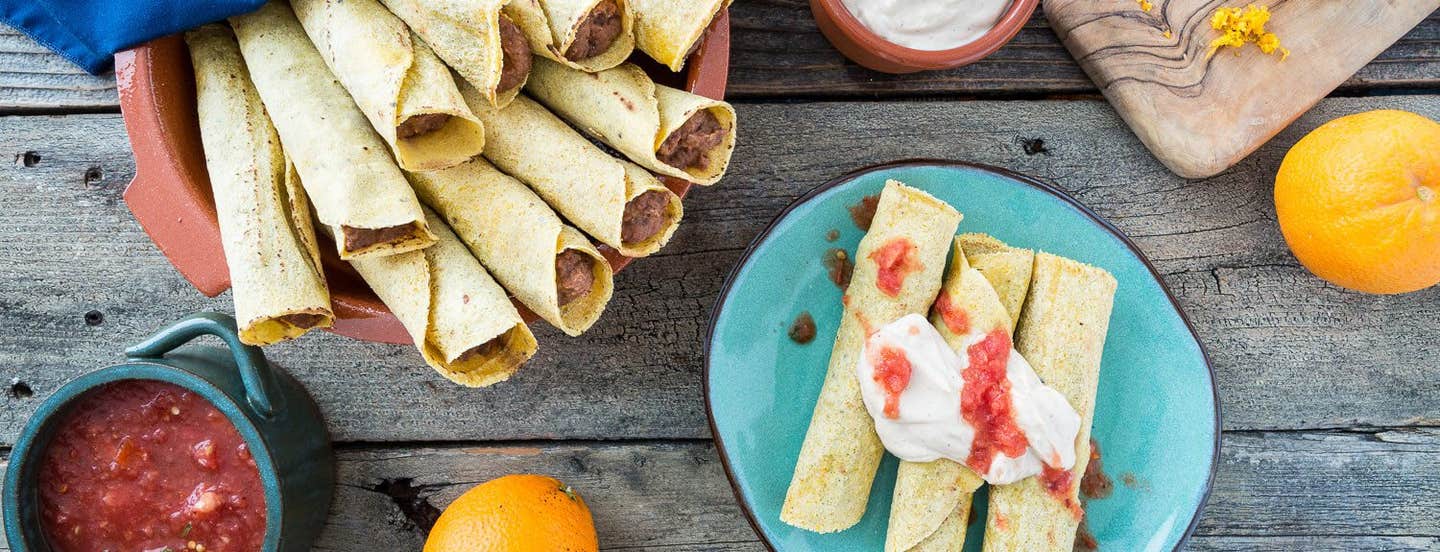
(1145, 5)
(1239, 26)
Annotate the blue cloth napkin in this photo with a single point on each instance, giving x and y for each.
(89, 32)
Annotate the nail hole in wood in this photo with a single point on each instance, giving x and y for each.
(27, 159)
(1033, 146)
(94, 318)
(20, 389)
(93, 175)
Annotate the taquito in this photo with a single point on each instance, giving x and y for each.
(275, 277)
(1062, 333)
(615, 201)
(589, 35)
(475, 39)
(669, 30)
(931, 506)
(402, 87)
(354, 184)
(672, 132)
(911, 233)
(1007, 268)
(463, 323)
(550, 267)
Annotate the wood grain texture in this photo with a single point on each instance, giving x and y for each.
(1365, 491)
(1200, 114)
(776, 53)
(1282, 341)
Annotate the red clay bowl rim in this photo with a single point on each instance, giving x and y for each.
(192, 246)
(998, 36)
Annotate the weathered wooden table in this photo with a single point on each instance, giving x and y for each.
(1331, 398)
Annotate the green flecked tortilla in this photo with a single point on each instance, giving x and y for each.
(841, 451)
(1061, 332)
(625, 109)
(275, 276)
(668, 30)
(453, 309)
(550, 25)
(464, 33)
(579, 180)
(517, 237)
(393, 77)
(345, 167)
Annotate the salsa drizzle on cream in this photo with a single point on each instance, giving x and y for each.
(986, 409)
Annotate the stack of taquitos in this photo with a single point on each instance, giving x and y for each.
(276, 281)
(841, 452)
(357, 190)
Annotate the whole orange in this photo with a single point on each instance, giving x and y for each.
(515, 513)
(1359, 201)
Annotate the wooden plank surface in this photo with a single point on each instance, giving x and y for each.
(1275, 491)
(776, 52)
(79, 280)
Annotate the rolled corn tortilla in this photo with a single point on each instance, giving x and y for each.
(672, 132)
(1061, 332)
(931, 505)
(550, 267)
(588, 35)
(475, 39)
(407, 93)
(669, 30)
(461, 320)
(841, 451)
(615, 201)
(275, 277)
(1007, 268)
(353, 183)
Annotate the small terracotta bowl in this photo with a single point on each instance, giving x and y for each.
(870, 50)
(170, 195)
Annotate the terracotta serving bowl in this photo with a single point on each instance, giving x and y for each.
(870, 50)
(170, 195)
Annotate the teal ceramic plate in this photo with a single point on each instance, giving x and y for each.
(1157, 415)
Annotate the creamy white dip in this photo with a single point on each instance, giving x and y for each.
(930, 426)
(928, 24)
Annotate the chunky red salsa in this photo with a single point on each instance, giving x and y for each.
(985, 402)
(892, 372)
(142, 465)
(954, 317)
(894, 261)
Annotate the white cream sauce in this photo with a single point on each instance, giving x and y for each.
(930, 426)
(928, 24)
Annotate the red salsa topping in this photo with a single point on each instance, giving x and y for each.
(839, 267)
(895, 260)
(954, 317)
(985, 402)
(802, 331)
(863, 213)
(1095, 484)
(892, 373)
(147, 465)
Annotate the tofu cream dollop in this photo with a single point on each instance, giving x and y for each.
(928, 24)
(919, 418)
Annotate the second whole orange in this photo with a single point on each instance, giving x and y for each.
(1358, 201)
(515, 513)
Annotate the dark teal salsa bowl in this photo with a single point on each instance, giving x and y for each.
(273, 413)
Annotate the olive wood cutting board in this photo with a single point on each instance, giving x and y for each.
(1199, 116)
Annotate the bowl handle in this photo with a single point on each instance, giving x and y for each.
(254, 371)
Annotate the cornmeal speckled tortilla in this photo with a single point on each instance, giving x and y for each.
(582, 182)
(624, 108)
(275, 277)
(667, 30)
(453, 309)
(1062, 333)
(464, 33)
(1007, 268)
(344, 165)
(931, 505)
(393, 77)
(517, 238)
(550, 25)
(841, 452)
